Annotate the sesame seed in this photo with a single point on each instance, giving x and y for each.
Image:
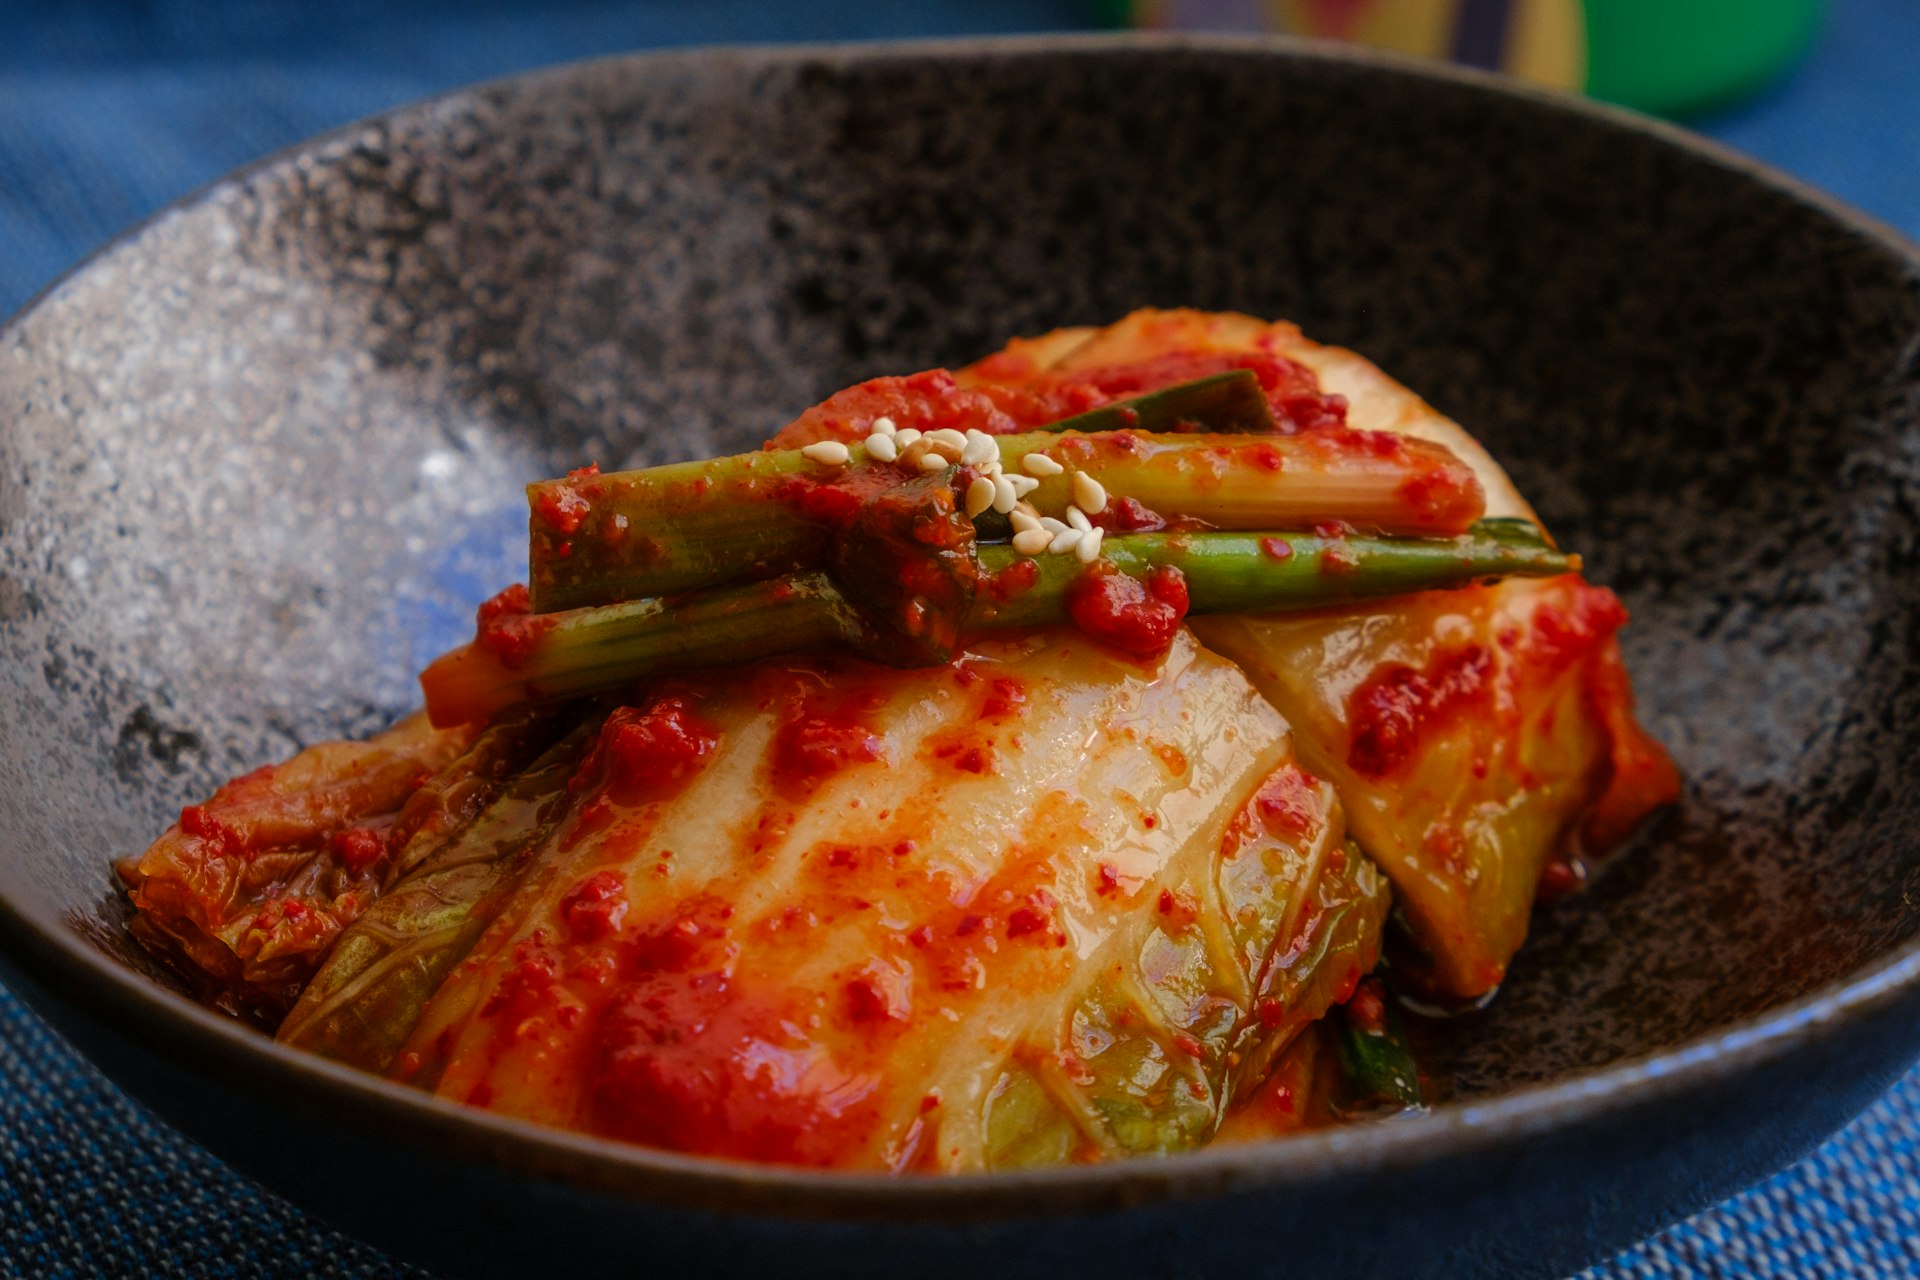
(1031, 542)
(1027, 509)
(1089, 494)
(1089, 546)
(1051, 525)
(883, 426)
(979, 496)
(931, 461)
(831, 452)
(1065, 540)
(948, 436)
(1078, 519)
(1023, 523)
(980, 448)
(905, 437)
(945, 448)
(1003, 495)
(1023, 485)
(1039, 464)
(882, 447)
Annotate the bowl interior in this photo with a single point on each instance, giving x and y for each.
(260, 461)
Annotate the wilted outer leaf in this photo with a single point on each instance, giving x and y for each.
(363, 1004)
(245, 894)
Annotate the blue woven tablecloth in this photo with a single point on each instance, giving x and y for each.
(111, 108)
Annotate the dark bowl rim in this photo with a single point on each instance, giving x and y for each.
(63, 965)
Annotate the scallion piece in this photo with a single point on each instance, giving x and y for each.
(1377, 1068)
(601, 539)
(608, 648)
(1221, 404)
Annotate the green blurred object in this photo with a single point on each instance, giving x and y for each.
(1681, 57)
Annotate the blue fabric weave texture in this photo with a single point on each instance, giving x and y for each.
(111, 108)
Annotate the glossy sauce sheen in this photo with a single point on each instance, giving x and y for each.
(1475, 736)
(822, 936)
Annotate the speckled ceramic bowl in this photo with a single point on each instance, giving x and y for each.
(259, 459)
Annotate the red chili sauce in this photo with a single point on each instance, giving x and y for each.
(1287, 806)
(1291, 388)
(1005, 396)
(702, 1042)
(929, 401)
(1388, 714)
(1367, 1009)
(1572, 627)
(1138, 617)
(509, 629)
(1127, 515)
(656, 746)
(825, 731)
(594, 908)
(686, 1055)
(1011, 582)
(359, 849)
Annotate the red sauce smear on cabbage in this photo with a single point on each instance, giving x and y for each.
(687, 1057)
(595, 908)
(821, 736)
(659, 745)
(1393, 708)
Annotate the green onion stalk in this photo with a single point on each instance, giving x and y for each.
(1377, 1070)
(607, 648)
(1193, 454)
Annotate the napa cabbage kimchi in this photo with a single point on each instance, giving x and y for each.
(1080, 754)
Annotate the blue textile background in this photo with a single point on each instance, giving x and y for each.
(111, 108)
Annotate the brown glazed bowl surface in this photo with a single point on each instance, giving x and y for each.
(260, 458)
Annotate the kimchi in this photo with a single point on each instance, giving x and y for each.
(1077, 755)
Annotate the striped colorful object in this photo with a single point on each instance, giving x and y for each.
(1671, 57)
